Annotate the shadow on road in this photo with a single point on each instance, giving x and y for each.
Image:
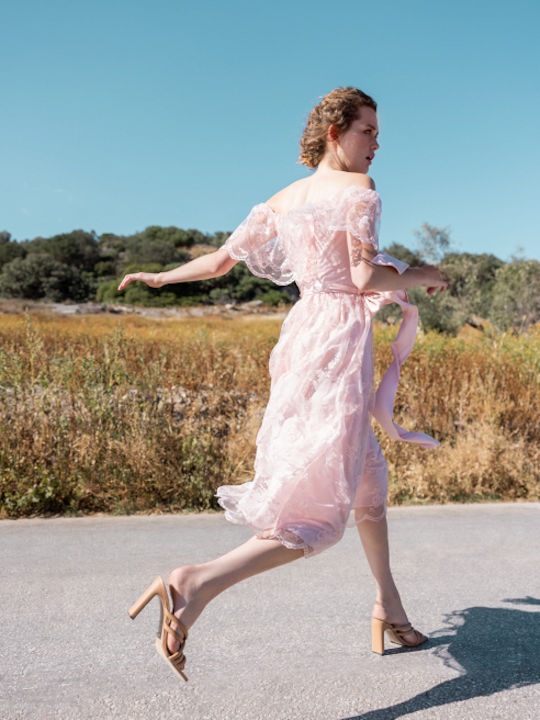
(494, 649)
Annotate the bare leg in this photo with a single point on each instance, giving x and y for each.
(374, 537)
(193, 586)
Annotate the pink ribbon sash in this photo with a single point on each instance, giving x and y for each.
(383, 406)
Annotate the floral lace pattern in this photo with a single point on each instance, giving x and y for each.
(293, 247)
(318, 467)
(255, 242)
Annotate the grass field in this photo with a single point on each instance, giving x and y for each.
(128, 414)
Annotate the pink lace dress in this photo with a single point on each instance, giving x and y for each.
(318, 467)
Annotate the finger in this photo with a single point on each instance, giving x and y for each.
(125, 282)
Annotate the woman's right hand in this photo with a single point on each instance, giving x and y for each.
(153, 280)
(433, 279)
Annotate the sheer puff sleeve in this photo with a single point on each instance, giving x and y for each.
(255, 241)
(363, 220)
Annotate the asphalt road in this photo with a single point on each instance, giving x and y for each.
(290, 644)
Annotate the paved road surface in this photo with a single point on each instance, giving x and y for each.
(290, 644)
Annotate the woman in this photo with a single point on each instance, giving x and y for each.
(318, 467)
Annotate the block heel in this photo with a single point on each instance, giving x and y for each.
(396, 633)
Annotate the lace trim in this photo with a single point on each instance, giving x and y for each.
(329, 200)
(268, 262)
(362, 219)
(255, 242)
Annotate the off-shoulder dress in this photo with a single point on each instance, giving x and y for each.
(318, 466)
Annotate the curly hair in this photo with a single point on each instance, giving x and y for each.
(340, 107)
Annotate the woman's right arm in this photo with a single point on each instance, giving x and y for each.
(211, 265)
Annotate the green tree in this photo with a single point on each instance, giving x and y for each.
(440, 311)
(218, 238)
(433, 243)
(77, 249)
(471, 280)
(403, 253)
(40, 276)
(9, 249)
(174, 236)
(516, 295)
(136, 293)
(141, 250)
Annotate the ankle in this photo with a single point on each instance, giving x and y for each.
(388, 598)
(185, 580)
(209, 584)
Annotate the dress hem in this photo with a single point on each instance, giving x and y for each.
(293, 539)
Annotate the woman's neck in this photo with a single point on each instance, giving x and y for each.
(329, 164)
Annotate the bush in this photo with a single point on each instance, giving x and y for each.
(39, 276)
(274, 297)
(125, 414)
(140, 250)
(516, 295)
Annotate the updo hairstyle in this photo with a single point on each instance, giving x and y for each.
(340, 107)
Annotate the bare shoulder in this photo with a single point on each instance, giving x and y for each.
(362, 180)
(313, 189)
(287, 195)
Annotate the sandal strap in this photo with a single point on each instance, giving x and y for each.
(400, 635)
(178, 659)
(399, 628)
(179, 624)
(402, 628)
(176, 636)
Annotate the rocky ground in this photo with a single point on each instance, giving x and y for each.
(254, 307)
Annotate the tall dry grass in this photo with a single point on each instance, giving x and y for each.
(127, 414)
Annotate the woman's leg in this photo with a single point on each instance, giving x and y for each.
(388, 606)
(371, 494)
(374, 537)
(193, 586)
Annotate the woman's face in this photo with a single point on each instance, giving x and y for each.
(356, 146)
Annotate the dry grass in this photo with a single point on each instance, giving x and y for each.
(126, 414)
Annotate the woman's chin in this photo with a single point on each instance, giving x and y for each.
(364, 168)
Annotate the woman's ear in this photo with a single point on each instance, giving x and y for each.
(333, 133)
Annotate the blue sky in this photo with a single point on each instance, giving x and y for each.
(118, 115)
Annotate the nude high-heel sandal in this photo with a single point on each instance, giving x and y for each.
(177, 659)
(395, 632)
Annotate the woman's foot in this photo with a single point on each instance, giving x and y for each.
(393, 612)
(188, 598)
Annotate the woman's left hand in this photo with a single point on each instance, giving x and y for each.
(431, 290)
(151, 279)
(442, 287)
